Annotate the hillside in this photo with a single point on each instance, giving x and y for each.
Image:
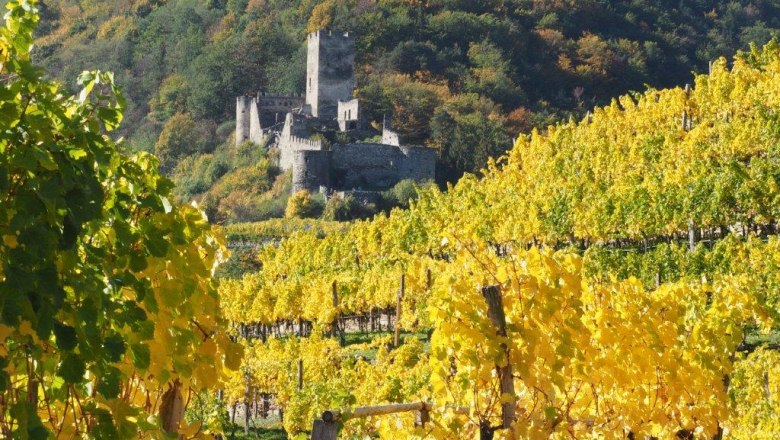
(461, 76)
(631, 255)
(612, 276)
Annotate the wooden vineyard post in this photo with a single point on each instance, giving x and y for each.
(492, 296)
(323, 430)
(422, 417)
(767, 390)
(335, 326)
(265, 407)
(300, 374)
(398, 304)
(246, 404)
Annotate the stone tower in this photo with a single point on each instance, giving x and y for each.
(247, 120)
(330, 66)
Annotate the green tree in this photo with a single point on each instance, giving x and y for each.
(181, 136)
(171, 99)
(105, 286)
(467, 130)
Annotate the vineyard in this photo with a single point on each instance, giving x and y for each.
(633, 257)
(613, 277)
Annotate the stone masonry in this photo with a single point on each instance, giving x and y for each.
(329, 106)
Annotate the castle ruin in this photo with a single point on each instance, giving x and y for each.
(300, 124)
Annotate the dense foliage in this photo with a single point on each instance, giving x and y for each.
(109, 314)
(460, 76)
(634, 250)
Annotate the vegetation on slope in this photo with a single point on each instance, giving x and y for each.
(460, 76)
(635, 250)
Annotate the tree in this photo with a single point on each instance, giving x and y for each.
(172, 98)
(108, 311)
(412, 103)
(468, 130)
(181, 136)
(301, 205)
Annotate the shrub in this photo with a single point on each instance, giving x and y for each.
(346, 208)
(302, 205)
(225, 129)
(248, 153)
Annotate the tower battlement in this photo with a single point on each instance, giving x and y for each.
(325, 33)
(330, 71)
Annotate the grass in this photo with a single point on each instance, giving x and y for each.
(366, 337)
(257, 434)
(754, 338)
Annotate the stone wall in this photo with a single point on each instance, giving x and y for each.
(419, 164)
(349, 116)
(389, 137)
(354, 166)
(280, 104)
(311, 169)
(330, 66)
(294, 137)
(379, 166)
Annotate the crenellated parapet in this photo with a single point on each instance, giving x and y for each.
(298, 143)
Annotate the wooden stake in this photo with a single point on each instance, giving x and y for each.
(335, 326)
(246, 405)
(492, 296)
(767, 391)
(172, 407)
(323, 430)
(398, 304)
(300, 374)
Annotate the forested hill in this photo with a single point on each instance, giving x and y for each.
(460, 75)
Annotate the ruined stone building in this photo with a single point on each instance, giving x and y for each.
(298, 124)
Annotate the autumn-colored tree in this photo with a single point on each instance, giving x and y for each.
(181, 136)
(301, 205)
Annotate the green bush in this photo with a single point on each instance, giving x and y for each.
(248, 153)
(402, 194)
(346, 208)
(225, 129)
(271, 208)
